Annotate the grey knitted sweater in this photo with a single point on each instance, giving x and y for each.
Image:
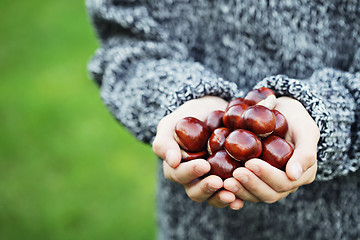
(157, 54)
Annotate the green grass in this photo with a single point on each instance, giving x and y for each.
(68, 170)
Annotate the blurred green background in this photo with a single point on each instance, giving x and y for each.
(67, 169)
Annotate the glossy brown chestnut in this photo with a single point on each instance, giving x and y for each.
(281, 124)
(222, 164)
(276, 151)
(261, 96)
(217, 140)
(214, 119)
(259, 120)
(187, 156)
(232, 117)
(191, 134)
(234, 102)
(243, 145)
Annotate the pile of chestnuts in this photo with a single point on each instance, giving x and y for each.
(248, 128)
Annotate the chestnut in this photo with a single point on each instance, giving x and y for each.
(243, 145)
(281, 124)
(217, 140)
(259, 120)
(232, 117)
(261, 96)
(276, 151)
(191, 134)
(187, 156)
(214, 119)
(222, 164)
(234, 102)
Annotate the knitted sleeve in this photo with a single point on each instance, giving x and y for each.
(142, 71)
(332, 98)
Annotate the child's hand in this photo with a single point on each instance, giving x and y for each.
(188, 173)
(258, 181)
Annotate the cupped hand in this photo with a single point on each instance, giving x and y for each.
(259, 181)
(188, 174)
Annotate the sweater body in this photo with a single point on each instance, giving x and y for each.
(156, 55)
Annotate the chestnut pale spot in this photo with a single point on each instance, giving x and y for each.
(257, 95)
(187, 156)
(269, 102)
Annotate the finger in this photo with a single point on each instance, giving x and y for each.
(257, 187)
(276, 178)
(201, 190)
(237, 204)
(221, 199)
(187, 171)
(233, 185)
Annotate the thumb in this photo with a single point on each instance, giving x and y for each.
(167, 148)
(304, 156)
(303, 133)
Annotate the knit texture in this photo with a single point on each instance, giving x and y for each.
(156, 55)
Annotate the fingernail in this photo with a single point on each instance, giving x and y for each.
(243, 179)
(236, 208)
(171, 157)
(296, 171)
(211, 188)
(223, 201)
